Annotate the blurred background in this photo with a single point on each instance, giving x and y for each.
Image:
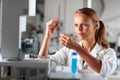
(14, 14)
(22, 23)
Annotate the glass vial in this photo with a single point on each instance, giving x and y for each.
(74, 63)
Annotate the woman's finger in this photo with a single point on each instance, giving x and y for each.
(54, 22)
(64, 39)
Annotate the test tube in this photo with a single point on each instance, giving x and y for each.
(54, 24)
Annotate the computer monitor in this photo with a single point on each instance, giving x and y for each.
(11, 10)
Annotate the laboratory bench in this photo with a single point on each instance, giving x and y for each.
(39, 69)
(32, 69)
(64, 73)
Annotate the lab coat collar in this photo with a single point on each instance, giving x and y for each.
(97, 48)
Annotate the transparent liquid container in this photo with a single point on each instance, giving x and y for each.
(74, 63)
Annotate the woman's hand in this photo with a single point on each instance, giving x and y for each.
(68, 42)
(51, 27)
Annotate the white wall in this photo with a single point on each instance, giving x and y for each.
(54, 9)
(71, 7)
(111, 18)
(111, 15)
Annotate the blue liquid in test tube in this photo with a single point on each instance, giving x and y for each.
(74, 63)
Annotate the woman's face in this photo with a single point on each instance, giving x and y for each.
(84, 27)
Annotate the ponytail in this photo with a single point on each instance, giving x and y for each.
(101, 37)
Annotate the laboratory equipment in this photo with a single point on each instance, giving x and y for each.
(11, 10)
(28, 69)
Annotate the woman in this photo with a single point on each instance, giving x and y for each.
(93, 50)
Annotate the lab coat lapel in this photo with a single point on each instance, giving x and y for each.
(95, 51)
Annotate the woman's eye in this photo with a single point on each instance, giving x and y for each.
(86, 25)
(82, 25)
(75, 25)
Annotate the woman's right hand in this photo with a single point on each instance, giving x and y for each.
(51, 27)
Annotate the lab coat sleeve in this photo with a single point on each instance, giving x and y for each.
(60, 57)
(108, 63)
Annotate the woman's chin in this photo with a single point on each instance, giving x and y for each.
(81, 38)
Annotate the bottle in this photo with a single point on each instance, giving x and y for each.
(74, 63)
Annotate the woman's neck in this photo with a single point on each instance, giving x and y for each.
(88, 45)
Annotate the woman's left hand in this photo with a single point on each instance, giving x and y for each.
(68, 41)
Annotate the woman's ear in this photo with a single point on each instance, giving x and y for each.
(97, 25)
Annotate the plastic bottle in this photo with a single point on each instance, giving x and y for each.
(74, 63)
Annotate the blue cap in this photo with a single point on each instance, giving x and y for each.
(74, 53)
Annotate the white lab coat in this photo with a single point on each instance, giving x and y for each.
(107, 56)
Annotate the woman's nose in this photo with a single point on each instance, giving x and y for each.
(80, 28)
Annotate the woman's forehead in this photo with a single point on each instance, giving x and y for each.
(81, 17)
